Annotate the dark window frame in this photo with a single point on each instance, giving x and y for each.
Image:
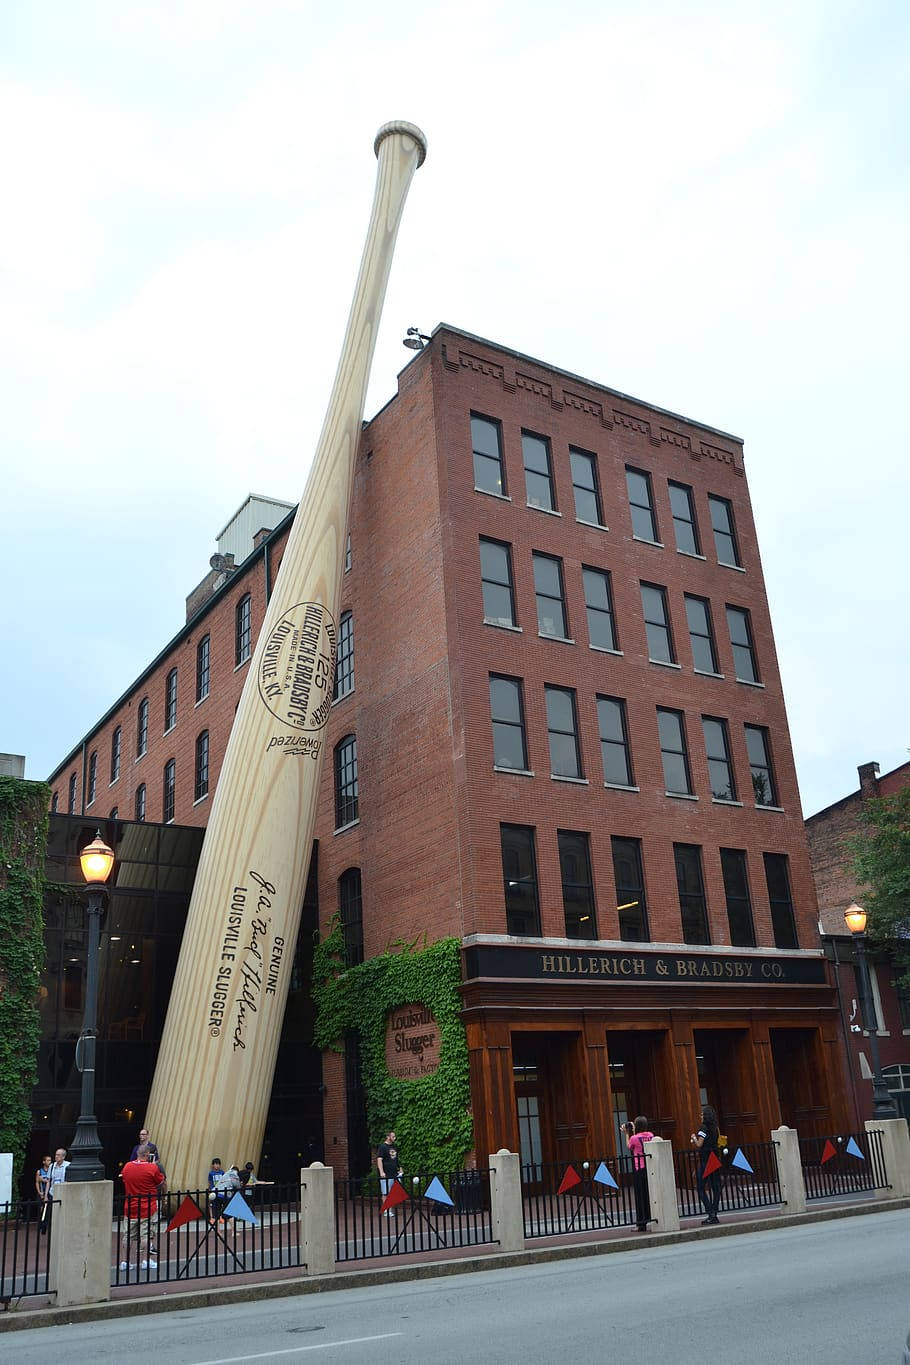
(734, 866)
(610, 743)
(92, 777)
(717, 759)
(169, 792)
(577, 890)
(529, 927)
(742, 648)
(762, 773)
(783, 917)
(693, 904)
(589, 491)
(545, 476)
(71, 798)
(116, 753)
(663, 624)
(487, 580)
(347, 782)
(142, 728)
(595, 612)
(506, 724)
(201, 767)
(344, 659)
(243, 630)
(501, 490)
(704, 633)
(675, 753)
(647, 507)
(170, 700)
(542, 597)
(691, 520)
(552, 691)
(630, 916)
(725, 537)
(140, 803)
(203, 667)
(350, 913)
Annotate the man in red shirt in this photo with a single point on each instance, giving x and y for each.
(142, 1181)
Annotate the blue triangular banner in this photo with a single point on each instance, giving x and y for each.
(740, 1161)
(854, 1150)
(603, 1176)
(436, 1190)
(238, 1208)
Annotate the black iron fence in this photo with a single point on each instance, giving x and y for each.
(747, 1178)
(846, 1164)
(25, 1246)
(422, 1212)
(580, 1196)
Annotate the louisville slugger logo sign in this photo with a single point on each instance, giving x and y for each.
(297, 670)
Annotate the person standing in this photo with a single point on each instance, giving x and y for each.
(637, 1134)
(388, 1165)
(144, 1140)
(142, 1181)
(43, 1178)
(57, 1171)
(706, 1140)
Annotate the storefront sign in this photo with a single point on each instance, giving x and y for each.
(411, 1042)
(676, 967)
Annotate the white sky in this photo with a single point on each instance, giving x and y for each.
(702, 204)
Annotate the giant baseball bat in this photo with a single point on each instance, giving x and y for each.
(215, 1065)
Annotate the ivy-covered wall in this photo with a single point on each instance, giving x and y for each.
(23, 846)
(431, 1115)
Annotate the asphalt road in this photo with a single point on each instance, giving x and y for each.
(835, 1293)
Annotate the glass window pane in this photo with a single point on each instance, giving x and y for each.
(539, 490)
(564, 756)
(669, 728)
(560, 710)
(485, 437)
(676, 777)
(659, 644)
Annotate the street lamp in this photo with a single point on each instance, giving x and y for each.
(883, 1106)
(96, 860)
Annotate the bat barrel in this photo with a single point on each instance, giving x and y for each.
(403, 129)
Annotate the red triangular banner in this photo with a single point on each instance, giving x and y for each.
(189, 1212)
(396, 1195)
(829, 1150)
(712, 1164)
(569, 1180)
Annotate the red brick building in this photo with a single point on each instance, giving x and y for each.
(560, 736)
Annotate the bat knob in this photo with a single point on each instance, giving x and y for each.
(409, 130)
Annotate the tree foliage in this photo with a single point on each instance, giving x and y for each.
(882, 863)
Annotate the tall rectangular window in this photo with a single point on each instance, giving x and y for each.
(140, 802)
(71, 802)
(538, 471)
(631, 905)
(739, 625)
(350, 910)
(507, 715)
(496, 582)
(203, 667)
(169, 787)
(170, 700)
(758, 747)
(548, 589)
(92, 776)
(783, 922)
(717, 749)
(614, 742)
(690, 884)
(684, 524)
(739, 902)
(701, 634)
(201, 778)
(142, 727)
(599, 609)
(116, 749)
(486, 440)
(577, 886)
(519, 875)
(344, 666)
(347, 782)
(243, 629)
(672, 730)
(657, 624)
(724, 531)
(586, 487)
(641, 504)
(562, 728)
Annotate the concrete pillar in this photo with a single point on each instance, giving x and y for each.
(895, 1140)
(81, 1220)
(789, 1168)
(662, 1185)
(317, 1219)
(506, 1209)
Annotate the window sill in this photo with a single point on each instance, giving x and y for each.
(350, 692)
(501, 625)
(488, 493)
(690, 554)
(780, 809)
(595, 525)
(602, 649)
(169, 729)
(747, 682)
(199, 799)
(113, 782)
(352, 824)
(200, 700)
(140, 757)
(703, 673)
(643, 540)
(620, 787)
(89, 804)
(242, 662)
(516, 772)
(548, 511)
(737, 568)
(723, 801)
(681, 796)
(560, 639)
(575, 781)
(662, 663)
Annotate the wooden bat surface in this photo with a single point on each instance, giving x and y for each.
(213, 1077)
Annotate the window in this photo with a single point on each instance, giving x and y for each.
(203, 667)
(54, 802)
(701, 634)
(201, 783)
(585, 486)
(657, 624)
(692, 906)
(496, 582)
(551, 608)
(168, 791)
(614, 742)
(599, 605)
(507, 715)
(92, 776)
(724, 532)
(71, 803)
(684, 523)
(672, 730)
(759, 751)
(116, 747)
(140, 802)
(350, 911)
(720, 769)
(346, 784)
(348, 561)
(344, 668)
(739, 625)
(577, 887)
(113, 814)
(519, 875)
(538, 473)
(486, 440)
(903, 1010)
(142, 727)
(641, 504)
(170, 700)
(562, 727)
(243, 629)
(631, 906)
(782, 919)
(739, 903)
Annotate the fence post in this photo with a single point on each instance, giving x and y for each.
(317, 1219)
(80, 1233)
(662, 1185)
(506, 1208)
(789, 1168)
(895, 1135)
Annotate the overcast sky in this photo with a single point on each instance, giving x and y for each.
(704, 205)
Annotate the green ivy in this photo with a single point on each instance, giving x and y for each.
(431, 1116)
(23, 848)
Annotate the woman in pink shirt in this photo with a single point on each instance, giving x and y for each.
(637, 1134)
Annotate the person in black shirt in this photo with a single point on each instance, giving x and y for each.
(388, 1165)
(706, 1141)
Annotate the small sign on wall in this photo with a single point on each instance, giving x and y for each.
(6, 1177)
(412, 1042)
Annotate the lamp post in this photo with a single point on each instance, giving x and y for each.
(883, 1106)
(97, 860)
